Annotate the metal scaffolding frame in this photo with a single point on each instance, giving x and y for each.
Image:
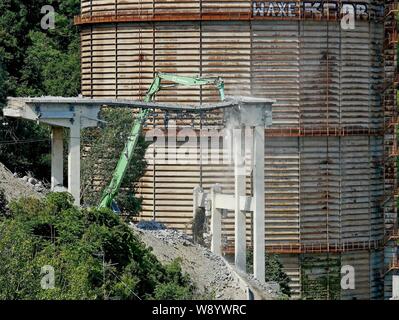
(391, 123)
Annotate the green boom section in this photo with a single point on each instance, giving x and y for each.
(113, 188)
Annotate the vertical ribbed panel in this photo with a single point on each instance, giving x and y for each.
(355, 103)
(337, 183)
(376, 281)
(319, 65)
(177, 48)
(282, 177)
(357, 179)
(375, 71)
(275, 68)
(87, 55)
(135, 63)
(225, 6)
(181, 6)
(172, 201)
(99, 76)
(123, 7)
(319, 222)
(226, 52)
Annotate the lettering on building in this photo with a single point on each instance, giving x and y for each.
(313, 9)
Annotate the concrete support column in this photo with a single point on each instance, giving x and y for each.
(259, 203)
(57, 158)
(240, 190)
(74, 162)
(216, 223)
(196, 205)
(395, 288)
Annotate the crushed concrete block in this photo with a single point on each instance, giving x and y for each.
(15, 187)
(32, 181)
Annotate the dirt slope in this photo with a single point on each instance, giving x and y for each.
(209, 272)
(13, 187)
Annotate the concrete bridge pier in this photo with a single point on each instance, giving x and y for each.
(253, 115)
(57, 161)
(74, 114)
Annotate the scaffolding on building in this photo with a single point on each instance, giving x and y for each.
(391, 153)
(332, 247)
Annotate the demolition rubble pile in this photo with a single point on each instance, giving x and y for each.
(209, 272)
(15, 187)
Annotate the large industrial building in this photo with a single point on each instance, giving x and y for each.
(331, 153)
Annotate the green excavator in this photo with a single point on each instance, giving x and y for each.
(110, 193)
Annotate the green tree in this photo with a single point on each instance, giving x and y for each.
(48, 70)
(106, 144)
(35, 62)
(94, 255)
(274, 271)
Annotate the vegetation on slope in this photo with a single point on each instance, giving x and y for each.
(105, 146)
(274, 271)
(94, 255)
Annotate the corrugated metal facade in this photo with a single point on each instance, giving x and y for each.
(324, 178)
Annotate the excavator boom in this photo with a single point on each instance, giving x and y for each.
(107, 200)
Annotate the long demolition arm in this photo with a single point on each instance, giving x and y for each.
(107, 200)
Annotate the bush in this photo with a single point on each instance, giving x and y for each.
(274, 271)
(94, 255)
(105, 147)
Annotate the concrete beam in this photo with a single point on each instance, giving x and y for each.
(72, 113)
(228, 202)
(222, 201)
(25, 107)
